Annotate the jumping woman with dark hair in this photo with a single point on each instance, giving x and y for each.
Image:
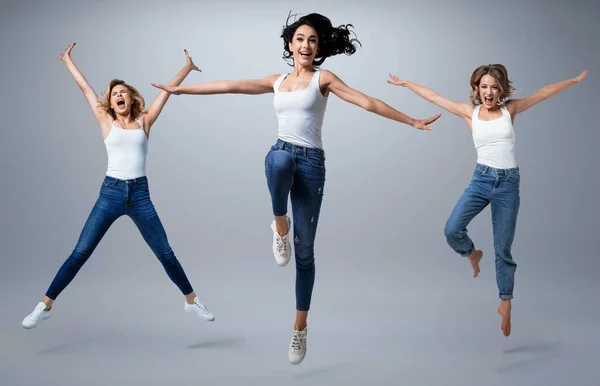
(496, 178)
(295, 164)
(125, 127)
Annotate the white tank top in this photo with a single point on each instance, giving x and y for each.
(126, 150)
(300, 113)
(494, 140)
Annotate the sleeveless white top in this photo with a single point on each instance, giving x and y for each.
(126, 150)
(300, 113)
(494, 140)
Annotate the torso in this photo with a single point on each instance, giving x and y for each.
(494, 138)
(300, 108)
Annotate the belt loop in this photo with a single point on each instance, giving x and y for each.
(281, 145)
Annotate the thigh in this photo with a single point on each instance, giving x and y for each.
(108, 208)
(307, 197)
(473, 200)
(144, 215)
(505, 209)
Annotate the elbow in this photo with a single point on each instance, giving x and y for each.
(370, 104)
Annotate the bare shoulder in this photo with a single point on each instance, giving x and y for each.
(511, 106)
(327, 76)
(271, 79)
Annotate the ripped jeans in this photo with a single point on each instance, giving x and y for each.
(299, 172)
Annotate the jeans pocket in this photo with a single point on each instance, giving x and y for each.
(514, 176)
(317, 161)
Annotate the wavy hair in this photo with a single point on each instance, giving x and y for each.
(138, 106)
(331, 40)
(496, 71)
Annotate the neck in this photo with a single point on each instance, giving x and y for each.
(301, 70)
(490, 109)
(124, 119)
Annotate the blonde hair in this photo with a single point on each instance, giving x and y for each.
(496, 71)
(137, 108)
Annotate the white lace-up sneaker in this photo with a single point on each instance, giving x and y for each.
(200, 309)
(37, 315)
(297, 349)
(282, 250)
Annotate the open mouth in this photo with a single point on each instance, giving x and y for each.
(488, 100)
(305, 55)
(121, 103)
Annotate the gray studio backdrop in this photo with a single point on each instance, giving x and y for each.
(390, 297)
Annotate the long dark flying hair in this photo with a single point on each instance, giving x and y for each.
(332, 40)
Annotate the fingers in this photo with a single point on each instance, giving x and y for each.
(433, 119)
(162, 87)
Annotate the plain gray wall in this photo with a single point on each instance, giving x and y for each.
(389, 187)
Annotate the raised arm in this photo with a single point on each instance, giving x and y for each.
(249, 86)
(334, 84)
(463, 110)
(517, 106)
(88, 92)
(161, 99)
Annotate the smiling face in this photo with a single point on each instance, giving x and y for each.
(121, 100)
(304, 45)
(489, 91)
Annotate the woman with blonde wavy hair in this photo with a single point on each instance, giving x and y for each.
(125, 126)
(496, 178)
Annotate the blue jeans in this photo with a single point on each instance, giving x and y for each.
(500, 188)
(118, 198)
(299, 172)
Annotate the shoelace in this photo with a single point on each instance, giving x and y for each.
(35, 314)
(297, 341)
(281, 244)
(202, 307)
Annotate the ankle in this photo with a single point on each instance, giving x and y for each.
(300, 326)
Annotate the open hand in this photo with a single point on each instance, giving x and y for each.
(397, 81)
(190, 63)
(67, 52)
(170, 89)
(423, 124)
(581, 76)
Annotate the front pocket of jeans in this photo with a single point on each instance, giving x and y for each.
(316, 161)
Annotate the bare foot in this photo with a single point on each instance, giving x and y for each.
(504, 310)
(475, 258)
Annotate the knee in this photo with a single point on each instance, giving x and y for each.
(81, 253)
(451, 231)
(305, 257)
(166, 255)
(280, 160)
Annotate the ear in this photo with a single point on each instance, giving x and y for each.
(290, 46)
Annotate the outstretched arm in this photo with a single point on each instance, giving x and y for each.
(463, 110)
(88, 92)
(373, 105)
(516, 106)
(251, 87)
(161, 99)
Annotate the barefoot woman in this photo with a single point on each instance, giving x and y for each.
(295, 164)
(125, 128)
(490, 117)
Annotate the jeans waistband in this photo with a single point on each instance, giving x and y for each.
(485, 168)
(282, 145)
(117, 181)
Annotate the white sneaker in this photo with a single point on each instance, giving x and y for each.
(37, 315)
(282, 250)
(297, 349)
(200, 309)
